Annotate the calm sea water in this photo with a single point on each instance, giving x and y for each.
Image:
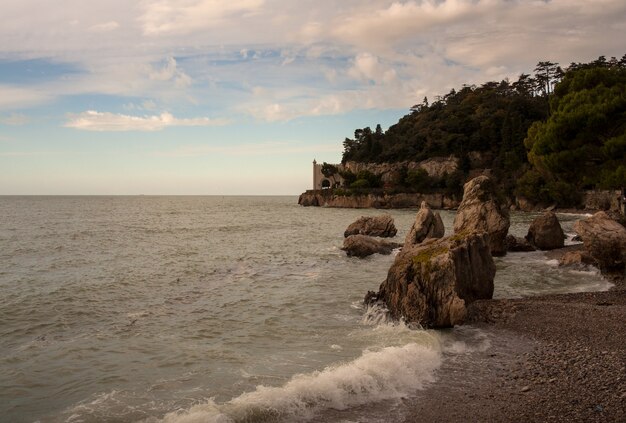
(201, 309)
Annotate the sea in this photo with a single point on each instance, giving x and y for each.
(217, 309)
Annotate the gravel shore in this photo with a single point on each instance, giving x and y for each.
(556, 358)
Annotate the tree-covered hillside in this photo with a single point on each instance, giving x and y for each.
(582, 144)
(576, 119)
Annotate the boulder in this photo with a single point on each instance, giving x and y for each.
(432, 283)
(363, 246)
(427, 225)
(480, 211)
(381, 225)
(545, 232)
(604, 239)
(515, 244)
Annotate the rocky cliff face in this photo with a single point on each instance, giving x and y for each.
(432, 283)
(391, 172)
(385, 201)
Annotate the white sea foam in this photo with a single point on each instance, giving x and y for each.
(553, 262)
(385, 374)
(376, 314)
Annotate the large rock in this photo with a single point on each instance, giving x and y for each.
(381, 225)
(427, 225)
(545, 232)
(433, 282)
(480, 211)
(363, 246)
(604, 239)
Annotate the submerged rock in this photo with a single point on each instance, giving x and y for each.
(579, 259)
(427, 225)
(480, 212)
(432, 283)
(515, 244)
(545, 232)
(363, 246)
(604, 239)
(381, 225)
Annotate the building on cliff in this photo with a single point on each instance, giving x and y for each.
(322, 182)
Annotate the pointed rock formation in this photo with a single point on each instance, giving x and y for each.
(427, 225)
(481, 212)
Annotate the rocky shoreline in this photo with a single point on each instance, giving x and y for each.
(559, 358)
(325, 198)
(553, 358)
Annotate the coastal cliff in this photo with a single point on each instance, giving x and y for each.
(325, 198)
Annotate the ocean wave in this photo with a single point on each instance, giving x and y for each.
(385, 374)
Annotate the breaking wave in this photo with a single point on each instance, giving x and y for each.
(386, 374)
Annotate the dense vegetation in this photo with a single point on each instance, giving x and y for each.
(582, 144)
(545, 137)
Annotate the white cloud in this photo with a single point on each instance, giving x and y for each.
(184, 16)
(398, 21)
(171, 72)
(103, 121)
(367, 67)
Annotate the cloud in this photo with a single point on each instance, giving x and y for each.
(310, 57)
(184, 16)
(14, 119)
(105, 27)
(15, 97)
(367, 67)
(171, 72)
(398, 21)
(104, 121)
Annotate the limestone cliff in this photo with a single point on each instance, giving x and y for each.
(325, 198)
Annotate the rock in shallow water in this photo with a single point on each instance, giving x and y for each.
(515, 244)
(545, 232)
(363, 246)
(604, 239)
(432, 283)
(381, 225)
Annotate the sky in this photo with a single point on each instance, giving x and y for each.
(237, 97)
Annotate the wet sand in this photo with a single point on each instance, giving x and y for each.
(554, 358)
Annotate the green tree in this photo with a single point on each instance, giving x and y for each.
(583, 142)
